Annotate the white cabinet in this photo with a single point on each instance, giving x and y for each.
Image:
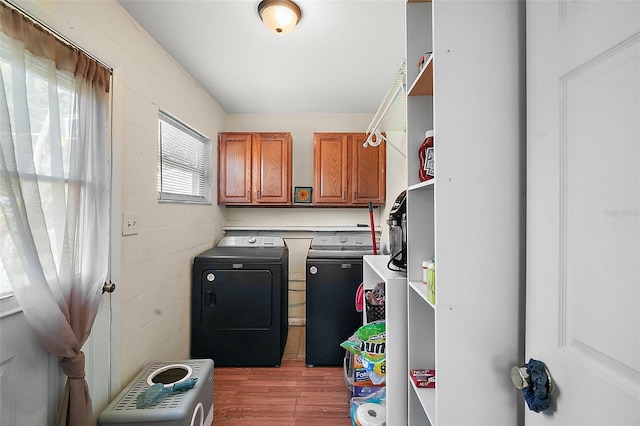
(375, 271)
(470, 218)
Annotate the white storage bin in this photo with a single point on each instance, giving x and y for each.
(190, 408)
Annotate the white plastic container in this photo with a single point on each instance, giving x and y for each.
(425, 268)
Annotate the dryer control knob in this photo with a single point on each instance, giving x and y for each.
(252, 240)
(313, 270)
(210, 277)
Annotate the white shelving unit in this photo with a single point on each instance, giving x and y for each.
(470, 217)
(374, 271)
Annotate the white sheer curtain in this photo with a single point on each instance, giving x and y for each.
(54, 193)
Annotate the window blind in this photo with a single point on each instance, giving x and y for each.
(184, 162)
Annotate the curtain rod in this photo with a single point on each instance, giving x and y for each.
(56, 34)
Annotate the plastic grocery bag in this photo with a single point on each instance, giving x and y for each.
(369, 341)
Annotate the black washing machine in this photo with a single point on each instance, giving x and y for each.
(239, 303)
(334, 272)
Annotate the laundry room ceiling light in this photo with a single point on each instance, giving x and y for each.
(279, 16)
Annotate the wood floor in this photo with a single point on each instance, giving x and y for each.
(292, 394)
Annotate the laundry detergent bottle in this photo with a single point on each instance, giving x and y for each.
(426, 153)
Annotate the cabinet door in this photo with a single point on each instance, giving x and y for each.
(234, 168)
(272, 168)
(330, 168)
(368, 177)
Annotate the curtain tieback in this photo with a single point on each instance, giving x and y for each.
(73, 367)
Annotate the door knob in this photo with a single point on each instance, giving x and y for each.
(108, 287)
(520, 376)
(535, 382)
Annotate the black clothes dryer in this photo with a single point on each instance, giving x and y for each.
(334, 272)
(239, 303)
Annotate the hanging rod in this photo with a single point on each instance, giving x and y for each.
(398, 84)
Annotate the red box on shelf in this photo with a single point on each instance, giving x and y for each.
(423, 378)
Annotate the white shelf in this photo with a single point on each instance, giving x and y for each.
(422, 185)
(378, 264)
(421, 289)
(374, 271)
(427, 398)
(467, 214)
(423, 84)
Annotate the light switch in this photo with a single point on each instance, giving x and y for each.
(130, 224)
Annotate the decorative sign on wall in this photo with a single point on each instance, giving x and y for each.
(302, 194)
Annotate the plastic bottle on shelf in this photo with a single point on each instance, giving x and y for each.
(425, 268)
(426, 153)
(431, 281)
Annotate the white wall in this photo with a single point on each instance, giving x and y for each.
(396, 175)
(152, 271)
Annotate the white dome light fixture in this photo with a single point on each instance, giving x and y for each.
(279, 16)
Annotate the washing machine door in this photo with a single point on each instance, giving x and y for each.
(237, 299)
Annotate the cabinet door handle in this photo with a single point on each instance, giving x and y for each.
(258, 194)
(354, 196)
(248, 194)
(344, 195)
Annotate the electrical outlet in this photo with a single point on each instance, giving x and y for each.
(130, 224)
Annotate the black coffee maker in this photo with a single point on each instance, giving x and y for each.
(398, 233)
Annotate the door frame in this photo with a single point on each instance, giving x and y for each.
(117, 137)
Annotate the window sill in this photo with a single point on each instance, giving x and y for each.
(9, 305)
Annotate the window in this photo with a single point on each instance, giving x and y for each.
(43, 176)
(54, 174)
(184, 162)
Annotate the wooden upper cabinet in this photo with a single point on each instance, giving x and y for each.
(368, 176)
(330, 168)
(272, 168)
(254, 168)
(346, 173)
(234, 168)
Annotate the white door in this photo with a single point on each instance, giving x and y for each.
(29, 376)
(97, 351)
(31, 381)
(583, 208)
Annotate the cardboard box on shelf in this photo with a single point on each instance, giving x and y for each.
(423, 378)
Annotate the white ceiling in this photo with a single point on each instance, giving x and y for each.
(341, 58)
